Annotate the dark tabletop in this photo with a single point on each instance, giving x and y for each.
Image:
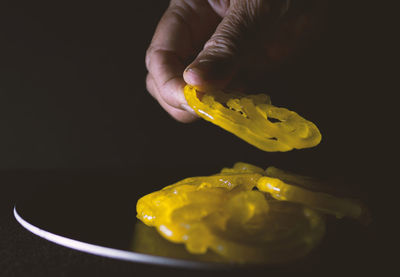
(74, 109)
(348, 246)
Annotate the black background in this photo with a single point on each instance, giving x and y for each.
(73, 102)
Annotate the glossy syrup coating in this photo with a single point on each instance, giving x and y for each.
(320, 201)
(244, 215)
(223, 213)
(178, 206)
(254, 119)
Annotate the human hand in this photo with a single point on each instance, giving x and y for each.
(217, 44)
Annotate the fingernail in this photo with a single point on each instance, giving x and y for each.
(187, 108)
(209, 70)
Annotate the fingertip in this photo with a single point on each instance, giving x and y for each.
(206, 74)
(172, 92)
(193, 76)
(202, 71)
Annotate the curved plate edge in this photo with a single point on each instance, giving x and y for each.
(111, 252)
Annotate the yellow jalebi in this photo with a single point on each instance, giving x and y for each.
(225, 213)
(254, 119)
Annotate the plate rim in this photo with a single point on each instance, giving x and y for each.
(113, 253)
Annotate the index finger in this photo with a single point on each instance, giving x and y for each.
(182, 30)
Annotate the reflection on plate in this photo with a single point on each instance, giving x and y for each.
(88, 214)
(165, 254)
(148, 241)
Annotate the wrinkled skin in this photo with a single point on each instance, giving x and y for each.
(221, 44)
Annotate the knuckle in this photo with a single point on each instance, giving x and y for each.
(150, 53)
(220, 6)
(148, 83)
(221, 45)
(155, 56)
(182, 12)
(151, 87)
(178, 13)
(256, 10)
(253, 7)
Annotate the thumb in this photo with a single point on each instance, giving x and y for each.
(220, 59)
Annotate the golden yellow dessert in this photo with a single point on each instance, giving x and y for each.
(254, 119)
(320, 201)
(227, 214)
